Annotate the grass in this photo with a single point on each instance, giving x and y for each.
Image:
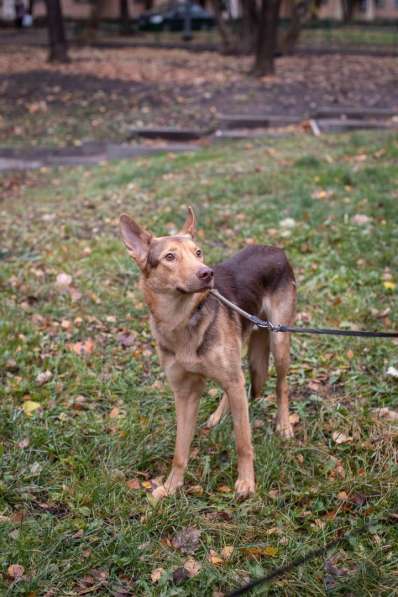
(67, 512)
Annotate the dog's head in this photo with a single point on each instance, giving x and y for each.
(169, 263)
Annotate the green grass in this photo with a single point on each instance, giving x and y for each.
(65, 507)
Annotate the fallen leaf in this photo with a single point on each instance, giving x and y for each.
(287, 223)
(15, 571)
(386, 413)
(294, 418)
(389, 285)
(114, 413)
(224, 489)
(195, 490)
(126, 339)
(214, 558)
(133, 484)
(187, 540)
(180, 575)
(63, 280)
(82, 348)
(342, 495)
(24, 443)
(43, 377)
(227, 551)
(258, 551)
(392, 372)
(157, 574)
(192, 566)
(30, 407)
(360, 219)
(341, 438)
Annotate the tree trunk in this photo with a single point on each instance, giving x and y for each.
(300, 11)
(58, 49)
(267, 38)
(249, 26)
(348, 10)
(222, 28)
(124, 16)
(31, 6)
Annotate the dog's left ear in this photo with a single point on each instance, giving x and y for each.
(190, 223)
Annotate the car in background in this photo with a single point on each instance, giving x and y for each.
(172, 18)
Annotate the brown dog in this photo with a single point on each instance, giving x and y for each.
(198, 337)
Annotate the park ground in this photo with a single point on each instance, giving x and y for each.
(105, 92)
(87, 419)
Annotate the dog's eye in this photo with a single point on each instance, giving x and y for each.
(198, 253)
(170, 256)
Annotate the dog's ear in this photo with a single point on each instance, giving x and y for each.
(136, 239)
(190, 223)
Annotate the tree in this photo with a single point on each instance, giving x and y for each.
(124, 16)
(58, 48)
(300, 12)
(267, 38)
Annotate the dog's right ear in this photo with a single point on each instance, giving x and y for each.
(136, 239)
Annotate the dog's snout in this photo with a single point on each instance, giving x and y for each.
(205, 274)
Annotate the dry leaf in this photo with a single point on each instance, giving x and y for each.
(63, 280)
(114, 413)
(15, 571)
(224, 489)
(360, 219)
(133, 484)
(195, 490)
(294, 418)
(386, 413)
(227, 551)
(392, 372)
(24, 443)
(82, 348)
(192, 566)
(43, 377)
(342, 495)
(214, 558)
(187, 540)
(157, 574)
(341, 438)
(258, 551)
(30, 407)
(126, 339)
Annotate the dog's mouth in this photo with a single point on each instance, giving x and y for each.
(207, 286)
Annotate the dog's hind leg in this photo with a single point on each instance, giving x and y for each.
(258, 352)
(280, 348)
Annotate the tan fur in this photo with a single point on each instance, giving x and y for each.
(180, 334)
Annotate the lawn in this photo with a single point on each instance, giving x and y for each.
(87, 419)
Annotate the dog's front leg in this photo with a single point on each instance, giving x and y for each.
(235, 390)
(187, 390)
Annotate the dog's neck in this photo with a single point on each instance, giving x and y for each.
(174, 312)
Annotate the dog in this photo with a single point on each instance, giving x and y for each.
(197, 337)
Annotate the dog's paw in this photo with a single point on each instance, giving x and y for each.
(284, 430)
(160, 492)
(244, 488)
(214, 419)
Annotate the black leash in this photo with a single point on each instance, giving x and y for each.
(315, 553)
(268, 325)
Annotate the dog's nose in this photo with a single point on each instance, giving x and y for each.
(205, 274)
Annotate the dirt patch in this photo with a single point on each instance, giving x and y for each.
(104, 92)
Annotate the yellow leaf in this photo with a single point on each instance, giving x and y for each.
(30, 407)
(15, 571)
(389, 285)
(214, 558)
(227, 552)
(258, 551)
(224, 489)
(146, 484)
